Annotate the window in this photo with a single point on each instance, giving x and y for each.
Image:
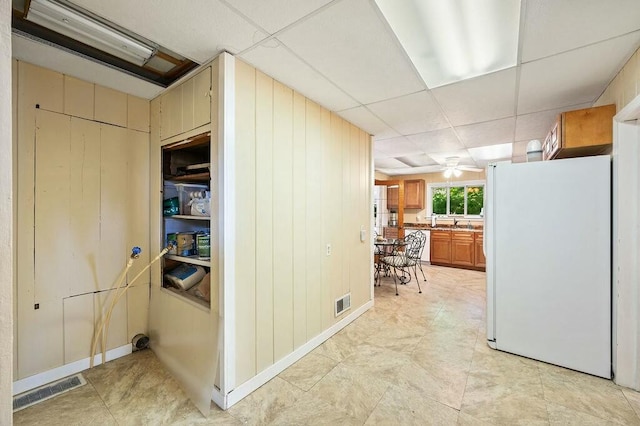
(461, 198)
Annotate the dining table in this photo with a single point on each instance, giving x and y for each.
(384, 248)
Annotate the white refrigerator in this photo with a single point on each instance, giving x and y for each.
(548, 253)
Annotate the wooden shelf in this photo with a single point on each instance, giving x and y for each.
(188, 217)
(195, 260)
(196, 177)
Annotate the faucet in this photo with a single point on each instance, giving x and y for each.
(455, 222)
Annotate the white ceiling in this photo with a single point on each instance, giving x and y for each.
(343, 55)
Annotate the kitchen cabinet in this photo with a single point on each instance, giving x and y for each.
(414, 194)
(392, 197)
(462, 248)
(479, 259)
(440, 247)
(187, 106)
(579, 133)
(457, 248)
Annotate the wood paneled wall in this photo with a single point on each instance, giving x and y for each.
(303, 181)
(82, 203)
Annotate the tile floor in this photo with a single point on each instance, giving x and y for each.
(413, 359)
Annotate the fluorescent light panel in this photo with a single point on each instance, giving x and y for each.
(67, 21)
(492, 152)
(453, 40)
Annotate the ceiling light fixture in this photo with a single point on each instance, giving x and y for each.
(453, 40)
(72, 23)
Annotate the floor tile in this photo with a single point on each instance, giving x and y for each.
(350, 390)
(588, 394)
(264, 404)
(79, 406)
(310, 410)
(509, 410)
(561, 416)
(634, 399)
(308, 371)
(406, 406)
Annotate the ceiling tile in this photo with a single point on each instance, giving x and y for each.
(489, 133)
(269, 57)
(363, 118)
(196, 29)
(67, 63)
(463, 156)
(574, 77)
(444, 140)
(536, 125)
(409, 114)
(389, 163)
(394, 147)
(348, 43)
(491, 153)
(273, 15)
(480, 99)
(553, 26)
(418, 160)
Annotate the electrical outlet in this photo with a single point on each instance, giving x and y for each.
(328, 249)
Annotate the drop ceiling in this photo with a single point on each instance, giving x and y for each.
(344, 55)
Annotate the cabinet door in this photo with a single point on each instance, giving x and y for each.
(440, 247)
(202, 98)
(414, 194)
(171, 113)
(462, 248)
(392, 197)
(479, 259)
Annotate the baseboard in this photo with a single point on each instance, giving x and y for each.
(264, 376)
(58, 373)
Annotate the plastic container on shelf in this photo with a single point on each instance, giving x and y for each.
(185, 192)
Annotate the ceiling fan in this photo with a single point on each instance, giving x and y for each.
(453, 168)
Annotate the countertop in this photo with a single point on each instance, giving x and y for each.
(427, 226)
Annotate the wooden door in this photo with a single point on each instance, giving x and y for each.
(440, 247)
(462, 248)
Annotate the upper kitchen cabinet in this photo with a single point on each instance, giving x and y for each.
(414, 194)
(187, 106)
(580, 133)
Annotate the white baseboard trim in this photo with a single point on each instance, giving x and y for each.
(58, 373)
(218, 398)
(264, 376)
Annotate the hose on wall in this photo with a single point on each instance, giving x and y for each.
(103, 329)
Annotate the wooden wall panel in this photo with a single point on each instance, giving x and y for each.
(114, 211)
(79, 98)
(264, 221)
(314, 205)
(111, 106)
(84, 212)
(40, 86)
(282, 220)
(137, 113)
(78, 327)
(346, 242)
(137, 310)
(300, 228)
(53, 201)
(245, 289)
(117, 333)
(156, 241)
(328, 200)
(136, 157)
(14, 136)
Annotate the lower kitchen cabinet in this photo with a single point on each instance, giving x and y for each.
(440, 247)
(462, 249)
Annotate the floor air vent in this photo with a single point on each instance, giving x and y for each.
(45, 392)
(343, 303)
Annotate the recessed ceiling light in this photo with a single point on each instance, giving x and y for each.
(453, 40)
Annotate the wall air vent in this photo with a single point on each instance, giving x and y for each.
(342, 304)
